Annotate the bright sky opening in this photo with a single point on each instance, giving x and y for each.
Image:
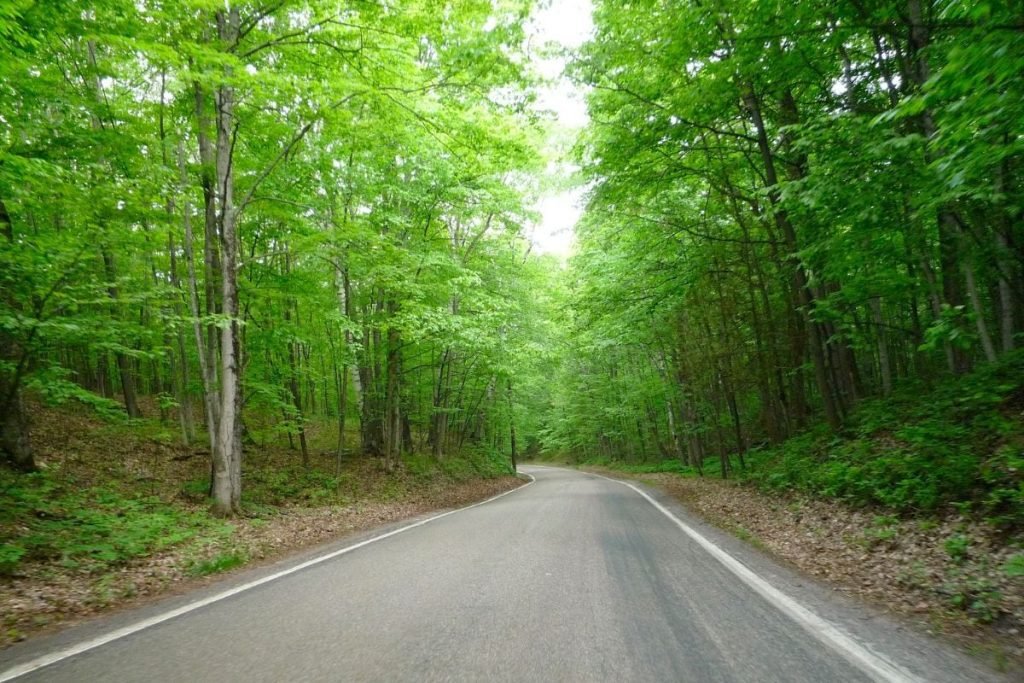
(568, 24)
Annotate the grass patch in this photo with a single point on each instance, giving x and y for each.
(1014, 566)
(472, 463)
(744, 534)
(219, 563)
(45, 519)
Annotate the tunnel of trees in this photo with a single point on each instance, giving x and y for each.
(317, 208)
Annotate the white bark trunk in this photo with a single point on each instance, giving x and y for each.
(208, 377)
(227, 474)
(979, 313)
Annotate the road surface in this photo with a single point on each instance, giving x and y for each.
(571, 578)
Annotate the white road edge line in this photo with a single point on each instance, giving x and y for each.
(868, 661)
(54, 657)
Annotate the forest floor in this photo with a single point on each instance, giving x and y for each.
(947, 574)
(117, 514)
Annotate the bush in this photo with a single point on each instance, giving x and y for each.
(88, 529)
(290, 485)
(918, 451)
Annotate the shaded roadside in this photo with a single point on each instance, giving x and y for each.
(952, 576)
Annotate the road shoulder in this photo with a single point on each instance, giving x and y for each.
(870, 624)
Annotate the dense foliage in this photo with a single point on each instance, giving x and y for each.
(287, 208)
(270, 212)
(796, 207)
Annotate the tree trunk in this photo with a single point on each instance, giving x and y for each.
(211, 238)
(1006, 317)
(15, 445)
(979, 313)
(227, 480)
(948, 227)
(392, 399)
(439, 412)
(293, 388)
(124, 365)
(123, 362)
(207, 373)
(799, 283)
(371, 423)
(179, 377)
(884, 364)
(935, 302)
(14, 436)
(294, 355)
(345, 306)
(512, 428)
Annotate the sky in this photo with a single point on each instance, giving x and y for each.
(566, 23)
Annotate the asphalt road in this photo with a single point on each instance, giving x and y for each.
(572, 578)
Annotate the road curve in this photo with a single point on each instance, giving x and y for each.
(573, 578)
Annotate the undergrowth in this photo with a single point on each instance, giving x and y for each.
(663, 466)
(959, 444)
(472, 463)
(93, 506)
(89, 529)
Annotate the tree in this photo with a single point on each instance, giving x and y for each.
(787, 215)
(262, 196)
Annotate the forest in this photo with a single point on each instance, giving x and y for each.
(283, 209)
(801, 257)
(803, 220)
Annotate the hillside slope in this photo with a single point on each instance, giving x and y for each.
(118, 512)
